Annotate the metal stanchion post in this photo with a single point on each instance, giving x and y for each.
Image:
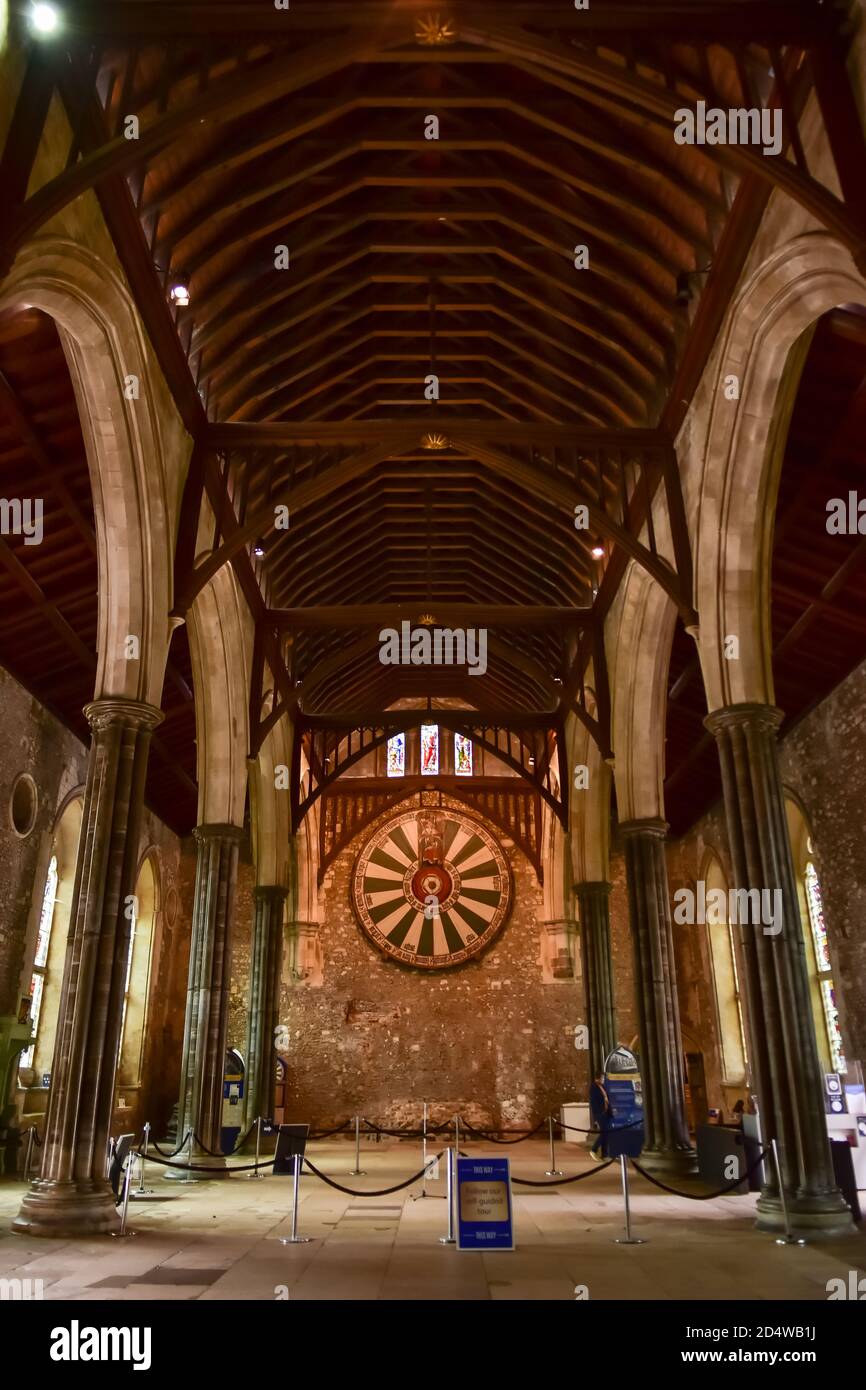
(28, 1158)
(294, 1238)
(424, 1152)
(142, 1190)
(189, 1177)
(457, 1135)
(127, 1182)
(628, 1238)
(357, 1171)
(552, 1171)
(449, 1183)
(255, 1173)
(787, 1238)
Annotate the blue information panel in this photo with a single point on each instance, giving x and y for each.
(484, 1215)
(623, 1085)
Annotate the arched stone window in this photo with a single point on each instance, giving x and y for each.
(819, 961)
(137, 980)
(49, 950)
(726, 982)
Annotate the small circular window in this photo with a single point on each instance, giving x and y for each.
(23, 805)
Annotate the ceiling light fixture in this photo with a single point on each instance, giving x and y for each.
(598, 552)
(180, 291)
(685, 289)
(259, 550)
(44, 19)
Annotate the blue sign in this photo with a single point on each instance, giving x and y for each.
(485, 1219)
(623, 1085)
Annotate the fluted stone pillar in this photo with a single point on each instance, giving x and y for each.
(266, 963)
(72, 1196)
(207, 998)
(661, 1054)
(593, 907)
(782, 1048)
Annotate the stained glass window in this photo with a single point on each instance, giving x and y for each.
(397, 756)
(462, 755)
(834, 1032)
(824, 965)
(430, 750)
(43, 940)
(816, 918)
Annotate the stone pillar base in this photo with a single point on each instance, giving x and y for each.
(199, 1158)
(670, 1163)
(73, 1210)
(809, 1216)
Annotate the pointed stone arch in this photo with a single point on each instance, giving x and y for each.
(742, 451)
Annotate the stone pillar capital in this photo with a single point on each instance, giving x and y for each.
(647, 825)
(217, 831)
(748, 715)
(598, 887)
(271, 893)
(101, 714)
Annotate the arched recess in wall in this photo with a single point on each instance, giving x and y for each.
(827, 1010)
(638, 639)
(47, 949)
(727, 974)
(136, 460)
(138, 973)
(221, 644)
(742, 451)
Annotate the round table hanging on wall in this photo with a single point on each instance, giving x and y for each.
(432, 888)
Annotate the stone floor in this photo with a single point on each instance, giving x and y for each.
(220, 1240)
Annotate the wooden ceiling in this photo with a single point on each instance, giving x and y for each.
(261, 134)
(818, 587)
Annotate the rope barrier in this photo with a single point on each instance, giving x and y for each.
(198, 1168)
(381, 1192)
(153, 1145)
(525, 1134)
(702, 1196)
(396, 1133)
(326, 1133)
(561, 1182)
(612, 1129)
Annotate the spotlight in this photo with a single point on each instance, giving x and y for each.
(44, 19)
(259, 550)
(684, 289)
(598, 552)
(180, 291)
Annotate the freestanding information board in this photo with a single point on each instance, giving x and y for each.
(484, 1213)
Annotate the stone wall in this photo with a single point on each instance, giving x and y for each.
(487, 1038)
(823, 763)
(34, 742)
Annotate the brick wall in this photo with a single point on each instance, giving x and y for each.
(487, 1038)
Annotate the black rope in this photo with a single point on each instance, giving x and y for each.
(524, 1134)
(241, 1142)
(381, 1192)
(702, 1196)
(326, 1133)
(398, 1133)
(153, 1145)
(198, 1168)
(561, 1182)
(612, 1129)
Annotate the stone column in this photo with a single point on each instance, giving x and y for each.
(782, 1048)
(266, 963)
(207, 998)
(661, 1054)
(72, 1196)
(593, 906)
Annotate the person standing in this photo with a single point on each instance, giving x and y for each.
(599, 1109)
